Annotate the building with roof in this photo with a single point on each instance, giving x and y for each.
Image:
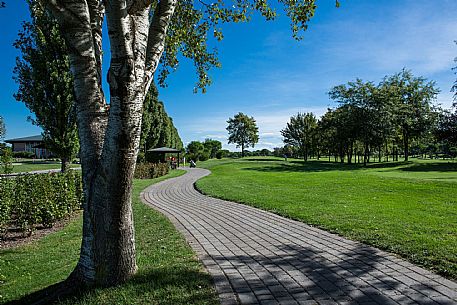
(33, 144)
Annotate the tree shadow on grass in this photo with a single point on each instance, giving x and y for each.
(431, 167)
(357, 278)
(322, 166)
(171, 285)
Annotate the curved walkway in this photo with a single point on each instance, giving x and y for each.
(256, 257)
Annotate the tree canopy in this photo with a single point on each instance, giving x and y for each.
(243, 131)
(212, 146)
(46, 83)
(412, 99)
(386, 118)
(300, 132)
(157, 128)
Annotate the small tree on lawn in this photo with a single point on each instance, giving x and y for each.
(194, 150)
(212, 146)
(243, 131)
(300, 131)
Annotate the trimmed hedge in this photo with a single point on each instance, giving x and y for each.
(41, 199)
(151, 170)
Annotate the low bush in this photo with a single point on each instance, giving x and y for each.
(41, 199)
(23, 154)
(151, 170)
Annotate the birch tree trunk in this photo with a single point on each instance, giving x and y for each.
(109, 136)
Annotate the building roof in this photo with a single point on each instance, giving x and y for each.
(37, 138)
(164, 150)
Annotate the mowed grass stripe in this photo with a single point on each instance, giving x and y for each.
(413, 214)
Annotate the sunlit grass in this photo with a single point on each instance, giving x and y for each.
(406, 208)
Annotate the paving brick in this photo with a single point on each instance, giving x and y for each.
(256, 257)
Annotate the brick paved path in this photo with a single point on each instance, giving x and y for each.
(256, 257)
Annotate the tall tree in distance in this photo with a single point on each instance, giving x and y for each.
(46, 83)
(413, 99)
(299, 132)
(194, 150)
(243, 131)
(212, 146)
(157, 128)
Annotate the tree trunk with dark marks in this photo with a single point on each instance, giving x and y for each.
(109, 136)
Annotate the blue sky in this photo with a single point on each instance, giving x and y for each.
(268, 75)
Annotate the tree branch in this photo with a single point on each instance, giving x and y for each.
(139, 5)
(97, 14)
(156, 38)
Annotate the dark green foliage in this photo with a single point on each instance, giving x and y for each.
(204, 155)
(157, 128)
(6, 202)
(446, 132)
(46, 83)
(222, 153)
(23, 154)
(300, 132)
(6, 160)
(412, 99)
(195, 150)
(243, 131)
(212, 147)
(151, 170)
(30, 200)
(389, 118)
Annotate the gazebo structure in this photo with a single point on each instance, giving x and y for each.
(165, 150)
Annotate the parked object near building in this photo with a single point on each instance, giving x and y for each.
(33, 144)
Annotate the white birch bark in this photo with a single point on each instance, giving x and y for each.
(110, 138)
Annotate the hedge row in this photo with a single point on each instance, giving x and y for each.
(151, 170)
(30, 200)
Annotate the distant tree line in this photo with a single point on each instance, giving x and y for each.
(395, 117)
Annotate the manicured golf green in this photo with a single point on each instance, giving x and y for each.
(406, 208)
(168, 272)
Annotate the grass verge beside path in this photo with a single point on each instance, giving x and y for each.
(405, 208)
(29, 167)
(168, 272)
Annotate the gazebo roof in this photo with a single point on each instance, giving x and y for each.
(164, 150)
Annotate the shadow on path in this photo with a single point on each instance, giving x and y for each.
(304, 274)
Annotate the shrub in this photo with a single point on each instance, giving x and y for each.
(204, 156)
(29, 200)
(6, 160)
(151, 170)
(23, 154)
(6, 202)
(222, 153)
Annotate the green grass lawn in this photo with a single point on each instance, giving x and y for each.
(28, 166)
(168, 270)
(406, 208)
